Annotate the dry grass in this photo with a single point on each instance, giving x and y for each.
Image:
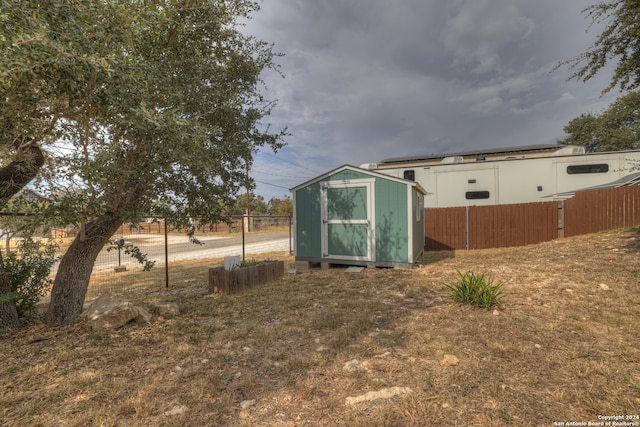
(562, 349)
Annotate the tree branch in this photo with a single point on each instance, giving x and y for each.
(20, 172)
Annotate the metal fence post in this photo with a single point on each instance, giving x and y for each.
(290, 227)
(561, 219)
(166, 254)
(467, 229)
(242, 227)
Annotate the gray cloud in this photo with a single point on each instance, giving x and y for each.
(369, 79)
(481, 30)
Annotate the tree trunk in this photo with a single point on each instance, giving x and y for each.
(18, 173)
(74, 272)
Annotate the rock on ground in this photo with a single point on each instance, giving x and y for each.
(176, 410)
(109, 312)
(449, 360)
(355, 364)
(385, 393)
(247, 403)
(165, 309)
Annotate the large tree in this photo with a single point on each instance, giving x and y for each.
(37, 89)
(618, 42)
(616, 128)
(165, 118)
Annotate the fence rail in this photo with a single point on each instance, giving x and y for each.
(483, 227)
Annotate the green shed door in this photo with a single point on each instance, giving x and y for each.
(347, 220)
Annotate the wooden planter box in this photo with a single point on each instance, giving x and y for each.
(235, 281)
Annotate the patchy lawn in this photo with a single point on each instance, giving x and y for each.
(566, 347)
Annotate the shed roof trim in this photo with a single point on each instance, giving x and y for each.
(366, 172)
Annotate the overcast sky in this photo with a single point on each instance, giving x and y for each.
(366, 80)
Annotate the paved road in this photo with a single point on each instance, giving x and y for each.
(179, 248)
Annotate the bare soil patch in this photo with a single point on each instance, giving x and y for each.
(566, 347)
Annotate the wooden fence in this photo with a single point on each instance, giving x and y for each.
(599, 210)
(481, 227)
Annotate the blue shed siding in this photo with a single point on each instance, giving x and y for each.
(391, 221)
(418, 223)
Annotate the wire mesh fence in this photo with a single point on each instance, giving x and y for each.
(165, 245)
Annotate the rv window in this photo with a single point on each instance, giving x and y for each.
(596, 168)
(410, 175)
(474, 195)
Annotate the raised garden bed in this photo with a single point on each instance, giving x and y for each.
(236, 280)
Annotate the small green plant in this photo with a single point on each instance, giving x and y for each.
(251, 262)
(248, 263)
(476, 289)
(28, 268)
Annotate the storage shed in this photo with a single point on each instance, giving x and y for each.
(358, 217)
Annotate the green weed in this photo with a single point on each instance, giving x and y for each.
(476, 289)
(251, 262)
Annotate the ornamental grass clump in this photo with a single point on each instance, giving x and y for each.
(476, 289)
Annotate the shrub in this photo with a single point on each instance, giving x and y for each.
(28, 268)
(476, 289)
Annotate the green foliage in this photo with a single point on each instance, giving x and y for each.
(248, 263)
(280, 207)
(141, 257)
(616, 128)
(476, 289)
(251, 262)
(134, 252)
(617, 42)
(142, 106)
(28, 268)
(275, 206)
(239, 205)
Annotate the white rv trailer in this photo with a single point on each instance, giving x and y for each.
(512, 175)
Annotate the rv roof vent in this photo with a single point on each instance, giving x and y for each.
(569, 150)
(452, 159)
(369, 166)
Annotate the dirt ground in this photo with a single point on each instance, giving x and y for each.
(307, 349)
